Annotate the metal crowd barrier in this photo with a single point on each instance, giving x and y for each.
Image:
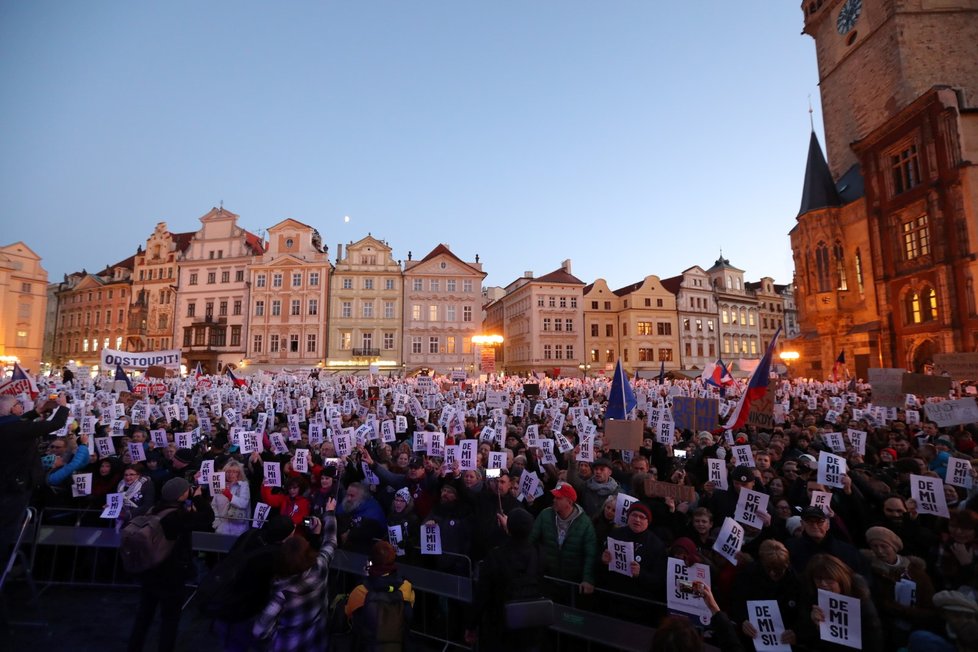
(92, 560)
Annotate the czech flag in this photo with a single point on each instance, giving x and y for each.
(756, 388)
(19, 383)
(234, 379)
(840, 365)
(121, 377)
(198, 371)
(719, 376)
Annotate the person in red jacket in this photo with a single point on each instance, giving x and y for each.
(291, 503)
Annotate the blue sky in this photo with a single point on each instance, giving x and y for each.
(633, 137)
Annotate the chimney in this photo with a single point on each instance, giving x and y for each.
(527, 274)
(566, 266)
(339, 252)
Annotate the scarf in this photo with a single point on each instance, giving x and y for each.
(602, 489)
(894, 571)
(563, 524)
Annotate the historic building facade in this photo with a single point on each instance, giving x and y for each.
(154, 278)
(696, 308)
(288, 298)
(23, 306)
(739, 333)
(887, 235)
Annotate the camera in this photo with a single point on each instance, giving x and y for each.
(679, 452)
(307, 522)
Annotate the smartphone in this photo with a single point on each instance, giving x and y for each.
(493, 473)
(679, 452)
(307, 522)
(685, 587)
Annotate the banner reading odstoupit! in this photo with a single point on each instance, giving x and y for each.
(140, 360)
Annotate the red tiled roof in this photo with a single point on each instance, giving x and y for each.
(254, 242)
(559, 276)
(443, 249)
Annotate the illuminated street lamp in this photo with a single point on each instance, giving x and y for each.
(487, 349)
(787, 357)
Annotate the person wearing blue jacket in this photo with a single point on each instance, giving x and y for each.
(60, 474)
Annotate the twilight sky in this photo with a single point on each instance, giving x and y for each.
(634, 137)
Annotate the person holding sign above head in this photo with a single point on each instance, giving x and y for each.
(830, 574)
(901, 587)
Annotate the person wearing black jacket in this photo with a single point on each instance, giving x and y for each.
(186, 511)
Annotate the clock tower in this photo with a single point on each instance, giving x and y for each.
(886, 241)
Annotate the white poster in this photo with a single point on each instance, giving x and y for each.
(831, 468)
(718, 473)
(218, 482)
(743, 456)
(750, 504)
(730, 540)
(959, 473)
(430, 539)
(273, 474)
(679, 579)
(262, 511)
(206, 469)
(136, 452)
(622, 556)
(467, 454)
(142, 360)
(822, 500)
(622, 502)
(395, 536)
(113, 506)
(765, 616)
(81, 485)
(300, 461)
(843, 619)
(858, 440)
(929, 494)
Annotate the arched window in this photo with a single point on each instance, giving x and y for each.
(840, 267)
(726, 344)
(912, 305)
(930, 305)
(859, 272)
(743, 316)
(822, 267)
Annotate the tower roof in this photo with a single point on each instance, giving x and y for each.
(819, 189)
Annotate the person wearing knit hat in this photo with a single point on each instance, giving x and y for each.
(645, 573)
(384, 577)
(402, 516)
(888, 455)
(889, 571)
(174, 490)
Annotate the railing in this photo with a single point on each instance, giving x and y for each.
(366, 353)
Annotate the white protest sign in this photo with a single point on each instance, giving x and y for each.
(952, 413)
(831, 468)
(750, 504)
(585, 449)
(262, 511)
(272, 474)
(183, 439)
(835, 441)
(369, 476)
(717, 473)
(104, 448)
(343, 442)
(395, 536)
(530, 485)
(113, 506)
(218, 482)
(496, 460)
(81, 485)
(430, 539)
(858, 440)
(843, 619)
(822, 500)
(279, 447)
(300, 461)
(387, 431)
(743, 456)
(679, 577)
(136, 452)
(622, 556)
(959, 473)
(206, 470)
(316, 433)
(467, 454)
(765, 616)
(730, 540)
(622, 502)
(929, 494)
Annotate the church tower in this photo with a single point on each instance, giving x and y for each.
(887, 273)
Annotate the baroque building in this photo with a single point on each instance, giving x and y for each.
(696, 308)
(886, 241)
(150, 319)
(23, 306)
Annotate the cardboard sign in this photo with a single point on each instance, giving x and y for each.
(952, 413)
(926, 385)
(762, 410)
(622, 434)
(765, 616)
(843, 619)
(929, 494)
(695, 414)
(622, 556)
(887, 387)
(730, 540)
(961, 366)
(679, 492)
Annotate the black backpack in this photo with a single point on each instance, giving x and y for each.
(380, 625)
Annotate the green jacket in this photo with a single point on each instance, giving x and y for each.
(574, 561)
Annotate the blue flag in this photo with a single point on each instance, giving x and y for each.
(120, 375)
(621, 398)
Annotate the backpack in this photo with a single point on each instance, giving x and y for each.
(381, 623)
(143, 544)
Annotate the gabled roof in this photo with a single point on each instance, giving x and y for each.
(559, 276)
(128, 263)
(182, 240)
(254, 243)
(819, 189)
(673, 283)
(628, 289)
(443, 250)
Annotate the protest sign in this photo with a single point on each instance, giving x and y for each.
(750, 505)
(822, 500)
(620, 434)
(622, 502)
(430, 539)
(926, 385)
(952, 413)
(681, 493)
(929, 494)
(730, 539)
(765, 616)
(136, 452)
(679, 579)
(887, 387)
(81, 485)
(961, 366)
(113, 506)
(743, 456)
(622, 556)
(395, 536)
(831, 468)
(262, 511)
(835, 441)
(959, 473)
(717, 473)
(218, 482)
(858, 440)
(273, 474)
(843, 619)
(696, 414)
(761, 412)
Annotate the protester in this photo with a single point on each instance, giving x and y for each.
(381, 607)
(232, 505)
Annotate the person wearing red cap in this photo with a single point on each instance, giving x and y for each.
(648, 571)
(566, 539)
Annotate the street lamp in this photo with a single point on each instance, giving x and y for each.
(584, 367)
(788, 357)
(487, 349)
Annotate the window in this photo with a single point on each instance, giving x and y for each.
(686, 324)
(347, 284)
(607, 305)
(546, 323)
(368, 284)
(552, 302)
(346, 309)
(313, 306)
(658, 303)
(726, 344)
(450, 285)
(594, 305)
(725, 316)
(548, 352)
(294, 343)
(609, 355)
(573, 302)
(753, 346)
(624, 329)
(222, 308)
(346, 340)
(905, 169)
(916, 238)
(569, 325)
(563, 302)
(226, 277)
(276, 308)
(594, 330)
(713, 350)
(822, 267)
(256, 344)
(209, 310)
(211, 278)
(25, 287)
(558, 351)
(276, 280)
(450, 344)
(689, 350)
(709, 325)
(594, 357)
(311, 343)
(295, 307)
(191, 309)
(434, 285)
(558, 325)
(273, 341)
(259, 308)
(859, 272)
(644, 328)
(450, 313)
(743, 316)
(368, 309)
(416, 344)
(389, 308)
(666, 329)
(236, 310)
(388, 284)
(609, 330)
(665, 355)
(416, 312)
(296, 279)
(467, 286)
(260, 281)
(646, 355)
(433, 344)
(418, 285)
(193, 278)
(750, 317)
(433, 313)
(239, 276)
(388, 341)
(313, 279)
(235, 336)
(840, 268)
(466, 313)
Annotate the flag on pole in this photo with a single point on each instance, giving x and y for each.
(121, 377)
(621, 398)
(198, 370)
(662, 372)
(718, 376)
(20, 383)
(756, 387)
(840, 365)
(237, 381)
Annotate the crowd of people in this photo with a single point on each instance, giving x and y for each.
(458, 476)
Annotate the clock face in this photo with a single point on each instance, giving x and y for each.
(848, 15)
